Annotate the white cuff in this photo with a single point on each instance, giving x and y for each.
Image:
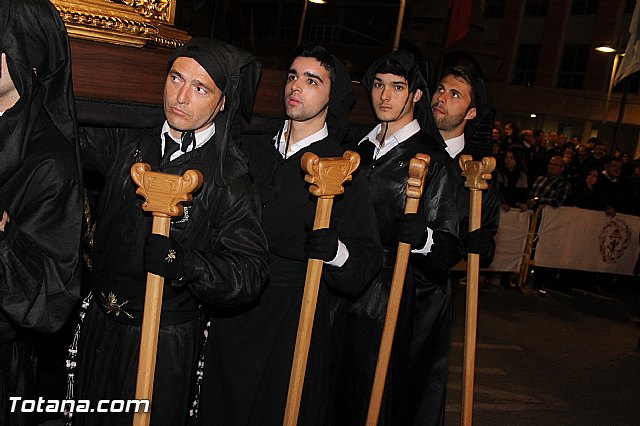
(427, 247)
(341, 256)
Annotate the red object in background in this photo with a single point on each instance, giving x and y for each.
(459, 20)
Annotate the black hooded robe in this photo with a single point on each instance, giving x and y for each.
(425, 315)
(40, 189)
(247, 373)
(418, 369)
(221, 228)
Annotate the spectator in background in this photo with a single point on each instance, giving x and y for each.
(610, 188)
(582, 160)
(570, 170)
(512, 181)
(496, 134)
(509, 135)
(599, 155)
(553, 138)
(576, 140)
(552, 189)
(583, 194)
(562, 140)
(590, 143)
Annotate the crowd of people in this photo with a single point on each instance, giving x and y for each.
(539, 169)
(234, 265)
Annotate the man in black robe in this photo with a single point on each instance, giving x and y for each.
(40, 192)
(247, 382)
(464, 113)
(215, 255)
(416, 382)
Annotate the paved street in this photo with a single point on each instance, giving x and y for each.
(570, 358)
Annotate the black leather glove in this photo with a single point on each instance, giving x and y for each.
(321, 244)
(163, 256)
(412, 229)
(478, 241)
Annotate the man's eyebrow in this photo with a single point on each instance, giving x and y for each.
(203, 84)
(312, 75)
(400, 82)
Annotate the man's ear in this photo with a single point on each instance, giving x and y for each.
(224, 100)
(417, 96)
(471, 114)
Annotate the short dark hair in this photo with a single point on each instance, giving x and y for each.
(320, 54)
(468, 76)
(391, 66)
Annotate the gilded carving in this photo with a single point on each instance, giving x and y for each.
(157, 9)
(129, 22)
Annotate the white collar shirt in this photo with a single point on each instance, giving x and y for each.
(391, 141)
(280, 140)
(201, 138)
(455, 145)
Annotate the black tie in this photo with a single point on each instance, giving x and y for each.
(170, 146)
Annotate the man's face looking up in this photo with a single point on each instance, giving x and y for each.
(191, 97)
(306, 93)
(450, 106)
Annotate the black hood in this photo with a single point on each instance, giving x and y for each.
(341, 100)
(236, 72)
(417, 77)
(35, 42)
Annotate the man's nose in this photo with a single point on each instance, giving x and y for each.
(385, 93)
(183, 95)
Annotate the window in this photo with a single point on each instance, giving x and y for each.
(526, 64)
(573, 66)
(494, 9)
(584, 7)
(536, 8)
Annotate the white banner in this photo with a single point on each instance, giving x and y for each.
(510, 242)
(573, 238)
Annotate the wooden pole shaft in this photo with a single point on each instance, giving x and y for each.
(307, 315)
(396, 37)
(150, 329)
(395, 297)
(473, 271)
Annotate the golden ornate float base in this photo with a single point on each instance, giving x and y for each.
(126, 22)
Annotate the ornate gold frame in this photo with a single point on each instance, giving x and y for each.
(127, 22)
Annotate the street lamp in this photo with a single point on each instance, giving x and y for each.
(304, 15)
(608, 48)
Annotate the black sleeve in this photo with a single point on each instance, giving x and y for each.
(358, 231)
(440, 205)
(98, 148)
(40, 256)
(234, 268)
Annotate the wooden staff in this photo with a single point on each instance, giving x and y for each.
(326, 176)
(164, 194)
(418, 168)
(477, 173)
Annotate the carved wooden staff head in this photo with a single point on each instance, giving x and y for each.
(326, 175)
(477, 172)
(164, 193)
(418, 167)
